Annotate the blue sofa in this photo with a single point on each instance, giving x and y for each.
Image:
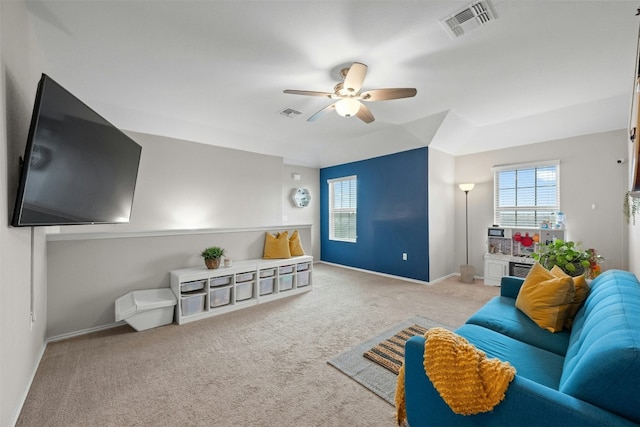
(589, 376)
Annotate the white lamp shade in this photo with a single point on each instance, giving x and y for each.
(347, 107)
(466, 187)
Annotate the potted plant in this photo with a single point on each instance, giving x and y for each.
(595, 260)
(631, 206)
(212, 256)
(566, 255)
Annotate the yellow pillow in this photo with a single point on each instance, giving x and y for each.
(295, 245)
(276, 246)
(582, 292)
(546, 298)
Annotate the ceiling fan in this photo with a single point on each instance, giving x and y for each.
(348, 95)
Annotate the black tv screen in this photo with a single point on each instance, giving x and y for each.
(77, 167)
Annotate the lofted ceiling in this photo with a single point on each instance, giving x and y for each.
(214, 71)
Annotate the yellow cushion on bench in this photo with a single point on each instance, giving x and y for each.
(295, 245)
(276, 247)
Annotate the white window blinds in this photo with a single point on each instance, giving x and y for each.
(526, 195)
(343, 204)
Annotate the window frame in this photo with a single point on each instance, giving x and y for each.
(353, 197)
(539, 212)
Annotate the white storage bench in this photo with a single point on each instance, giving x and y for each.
(204, 293)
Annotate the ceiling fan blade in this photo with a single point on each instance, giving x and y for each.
(364, 114)
(309, 93)
(354, 78)
(321, 113)
(386, 94)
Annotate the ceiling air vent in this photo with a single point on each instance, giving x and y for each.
(468, 19)
(290, 112)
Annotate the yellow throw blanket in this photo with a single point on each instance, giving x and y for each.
(468, 381)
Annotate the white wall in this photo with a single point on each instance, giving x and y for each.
(87, 274)
(442, 226)
(589, 177)
(181, 185)
(21, 341)
(291, 214)
(188, 185)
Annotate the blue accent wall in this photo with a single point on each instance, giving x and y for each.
(392, 215)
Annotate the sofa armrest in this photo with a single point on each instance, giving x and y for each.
(526, 403)
(510, 286)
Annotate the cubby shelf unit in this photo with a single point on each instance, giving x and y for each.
(203, 293)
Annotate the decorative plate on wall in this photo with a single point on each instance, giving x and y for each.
(301, 197)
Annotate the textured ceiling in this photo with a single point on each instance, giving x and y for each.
(214, 71)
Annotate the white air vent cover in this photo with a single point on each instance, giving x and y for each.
(468, 19)
(290, 112)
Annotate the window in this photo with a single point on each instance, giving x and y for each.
(343, 203)
(526, 195)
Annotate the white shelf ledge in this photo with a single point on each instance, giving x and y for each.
(156, 233)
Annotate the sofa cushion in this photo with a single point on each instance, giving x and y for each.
(510, 286)
(582, 291)
(501, 315)
(531, 362)
(602, 364)
(546, 298)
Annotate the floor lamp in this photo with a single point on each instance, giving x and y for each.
(467, 271)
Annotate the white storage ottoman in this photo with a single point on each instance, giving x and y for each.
(146, 309)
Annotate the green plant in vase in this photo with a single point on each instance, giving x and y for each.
(566, 255)
(631, 206)
(212, 256)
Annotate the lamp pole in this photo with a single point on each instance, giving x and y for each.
(466, 220)
(466, 271)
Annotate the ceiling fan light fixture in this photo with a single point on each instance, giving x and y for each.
(347, 95)
(347, 107)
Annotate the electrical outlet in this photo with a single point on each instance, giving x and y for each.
(404, 256)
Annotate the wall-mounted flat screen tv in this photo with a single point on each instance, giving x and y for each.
(77, 167)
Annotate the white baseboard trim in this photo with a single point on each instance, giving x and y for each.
(84, 331)
(443, 278)
(422, 282)
(23, 399)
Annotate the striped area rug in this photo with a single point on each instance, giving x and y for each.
(390, 353)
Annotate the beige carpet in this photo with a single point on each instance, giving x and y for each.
(262, 366)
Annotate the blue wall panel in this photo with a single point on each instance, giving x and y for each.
(392, 216)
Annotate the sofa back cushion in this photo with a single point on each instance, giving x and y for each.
(546, 298)
(602, 364)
